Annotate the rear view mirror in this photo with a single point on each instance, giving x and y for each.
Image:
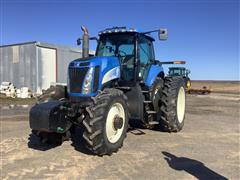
(163, 34)
(78, 41)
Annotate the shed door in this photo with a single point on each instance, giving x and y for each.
(47, 67)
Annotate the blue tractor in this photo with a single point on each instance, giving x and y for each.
(122, 82)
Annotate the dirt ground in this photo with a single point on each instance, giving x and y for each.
(15, 101)
(207, 148)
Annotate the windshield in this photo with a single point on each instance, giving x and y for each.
(120, 45)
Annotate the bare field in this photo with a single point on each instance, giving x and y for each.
(207, 148)
(218, 86)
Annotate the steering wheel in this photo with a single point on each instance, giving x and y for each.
(144, 65)
(128, 60)
(122, 53)
(110, 48)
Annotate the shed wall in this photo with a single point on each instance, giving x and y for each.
(18, 65)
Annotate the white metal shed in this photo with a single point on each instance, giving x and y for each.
(36, 64)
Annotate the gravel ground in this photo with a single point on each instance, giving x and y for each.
(207, 148)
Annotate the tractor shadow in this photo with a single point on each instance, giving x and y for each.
(76, 140)
(34, 143)
(191, 166)
(135, 127)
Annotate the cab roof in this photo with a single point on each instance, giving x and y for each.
(116, 29)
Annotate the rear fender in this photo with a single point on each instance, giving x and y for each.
(154, 71)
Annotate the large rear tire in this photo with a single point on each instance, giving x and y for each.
(173, 104)
(107, 122)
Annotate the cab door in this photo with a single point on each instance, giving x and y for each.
(146, 56)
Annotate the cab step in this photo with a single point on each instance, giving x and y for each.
(151, 112)
(153, 122)
(124, 88)
(146, 102)
(143, 91)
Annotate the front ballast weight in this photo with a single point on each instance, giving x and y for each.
(50, 117)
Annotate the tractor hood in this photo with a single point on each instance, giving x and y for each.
(105, 63)
(95, 70)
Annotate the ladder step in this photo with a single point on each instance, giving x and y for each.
(153, 122)
(147, 102)
(145, 91)
(124, 88)
(151, 112)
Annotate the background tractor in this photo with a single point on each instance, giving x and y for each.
(122, 81)
(180, 71)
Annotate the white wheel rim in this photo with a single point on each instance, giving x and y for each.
(181, 104)
(114, 135)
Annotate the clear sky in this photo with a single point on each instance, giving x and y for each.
(205, 33)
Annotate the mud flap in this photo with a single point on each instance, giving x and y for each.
(49, 117)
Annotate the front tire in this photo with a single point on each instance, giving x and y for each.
(107, 122)
(155, 96)
(173, 104)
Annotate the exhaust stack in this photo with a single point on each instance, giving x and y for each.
(85, 46)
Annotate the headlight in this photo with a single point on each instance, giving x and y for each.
(87, 84)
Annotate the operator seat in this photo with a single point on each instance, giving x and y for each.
(127, 63)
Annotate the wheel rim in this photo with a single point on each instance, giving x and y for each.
(181, 104)
(113, 134)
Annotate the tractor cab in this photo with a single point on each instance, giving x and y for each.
(133, 49)
(178, 71)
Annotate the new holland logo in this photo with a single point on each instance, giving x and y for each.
(77, 63)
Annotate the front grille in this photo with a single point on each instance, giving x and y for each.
(76, 78)
(85, 64)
